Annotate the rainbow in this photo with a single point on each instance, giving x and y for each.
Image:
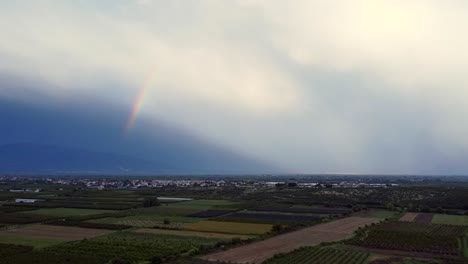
(138, 102)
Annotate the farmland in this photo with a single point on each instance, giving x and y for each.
(260, 251)
(269, 217)
(413, 237)
(67, 212)
(320, 255)
(443, 219)
(248, 223)
(54, 232)
(230, 227)
(35, 242)
(450, 219)
(184, 233)
(133, 246)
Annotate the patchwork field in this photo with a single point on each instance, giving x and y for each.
(192, 233)
(64, 233)
(413, 237)
(229, 227)
(260, 251)
(435, 218)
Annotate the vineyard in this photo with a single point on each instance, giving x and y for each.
(413, 237)
(133, 246)
(320, 255)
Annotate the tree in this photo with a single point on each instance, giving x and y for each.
(156, 260)
(167, 221)
(150, 202)
(277, 228)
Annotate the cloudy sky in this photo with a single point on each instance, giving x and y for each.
(313, 86)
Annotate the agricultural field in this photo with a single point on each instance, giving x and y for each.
(133, 246)
(245, 221)
(67, 212)
(268, 217)
(260, 251)
(229, 227)
(186, 233)
(21, 218)
(442, 219)
(423, 218)
(209, 213)
(64, 233)
(412, 237)
(408, 217)
(312, 255)
(382, 214)
(450, 219)
(303, 210)
(35, 242)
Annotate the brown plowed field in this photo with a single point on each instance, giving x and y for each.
(66, 233)
(408, 217)
(260, 251)
(423, 218)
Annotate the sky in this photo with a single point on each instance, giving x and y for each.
(312, 86)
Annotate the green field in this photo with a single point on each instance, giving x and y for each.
(450, 219)
(133, 247)
(29, 241)
(176, 213)
(379, 214)
(66, 212)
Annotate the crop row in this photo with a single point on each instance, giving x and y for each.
(133, 246)
(320, 255)
(412, 237)
(424, 228)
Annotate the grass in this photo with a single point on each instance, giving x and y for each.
(229, 227)
(66, 212)
(379, 214)
(450, 219)
(29, 241)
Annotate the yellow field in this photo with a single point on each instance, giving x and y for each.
(192, 233)
(229, 227)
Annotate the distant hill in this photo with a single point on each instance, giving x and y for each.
(76, 137)
(34, 158)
